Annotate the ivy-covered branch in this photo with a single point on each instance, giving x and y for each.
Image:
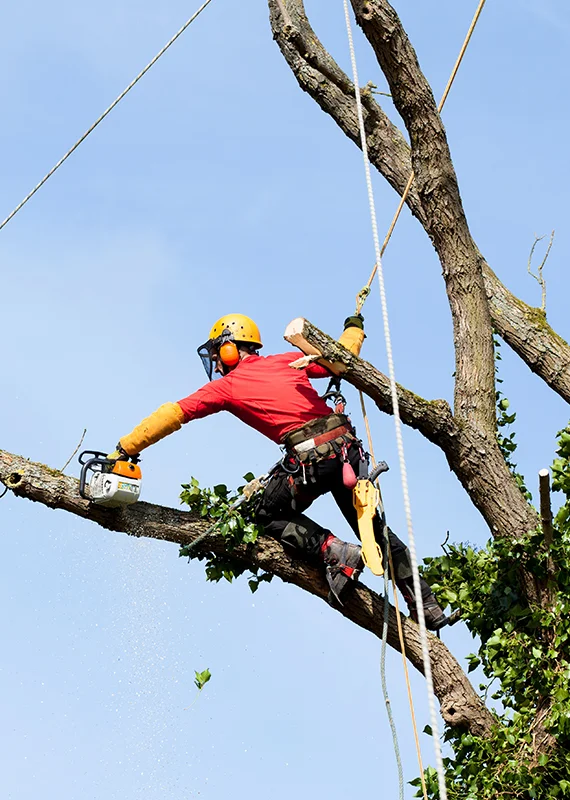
(524, 653)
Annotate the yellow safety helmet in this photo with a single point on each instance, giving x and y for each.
(224, 336)
(242, 328)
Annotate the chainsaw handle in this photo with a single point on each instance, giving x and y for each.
(89, 464)
(94, 453)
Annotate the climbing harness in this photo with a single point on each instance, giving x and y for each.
(361, 297)
(320, 438)
(105, 113)
(334, 393)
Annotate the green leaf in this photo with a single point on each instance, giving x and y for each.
(202, 678)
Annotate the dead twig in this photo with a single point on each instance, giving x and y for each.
(373, 89)
(540, 277)
(76, 449)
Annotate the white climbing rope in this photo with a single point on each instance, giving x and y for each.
(104, 114)
(397, 420)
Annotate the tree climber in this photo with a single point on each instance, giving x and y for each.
(280, 402)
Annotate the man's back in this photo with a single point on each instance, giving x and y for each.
(265, 393)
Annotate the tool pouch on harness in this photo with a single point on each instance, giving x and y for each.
(320, 438)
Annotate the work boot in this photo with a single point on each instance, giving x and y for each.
(343, 563)
(433, 613)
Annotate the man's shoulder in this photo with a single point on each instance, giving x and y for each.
(287, 357)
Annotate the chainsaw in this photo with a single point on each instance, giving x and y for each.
(111, 483)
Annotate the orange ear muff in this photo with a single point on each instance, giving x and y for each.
(229, 354)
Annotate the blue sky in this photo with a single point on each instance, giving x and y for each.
(217, 185)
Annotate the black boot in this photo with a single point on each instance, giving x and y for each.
(343, 563)
(433, 613)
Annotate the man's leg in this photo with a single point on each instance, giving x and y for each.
(434, 616)
(296, 530)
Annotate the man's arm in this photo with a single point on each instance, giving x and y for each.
(353, 334)
(352, 338)
(171, 416)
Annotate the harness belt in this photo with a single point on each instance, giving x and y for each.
(319, 438)
(323, 438)
(317, 431)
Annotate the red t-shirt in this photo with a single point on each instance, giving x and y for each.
(265, 393)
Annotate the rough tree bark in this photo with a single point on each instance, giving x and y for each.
(523, 327)
(460, 704)
(473, 455)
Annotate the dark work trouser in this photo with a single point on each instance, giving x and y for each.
(281, 512)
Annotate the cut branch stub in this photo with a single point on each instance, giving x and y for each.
(295, 336)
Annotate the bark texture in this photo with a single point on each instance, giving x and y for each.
(472, 454)
(460, 705)
(434, 199)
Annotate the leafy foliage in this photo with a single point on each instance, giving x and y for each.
(524, 654)
(237, 526)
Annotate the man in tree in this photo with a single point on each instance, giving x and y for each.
(322, 452)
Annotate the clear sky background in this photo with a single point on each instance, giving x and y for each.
(218, 186)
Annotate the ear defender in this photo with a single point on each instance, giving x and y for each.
(229, 354)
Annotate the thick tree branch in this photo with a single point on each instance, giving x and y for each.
(446, 224)
(473, 455)
(523, 328)
(319, 75)
(460, 705)
(526, 330)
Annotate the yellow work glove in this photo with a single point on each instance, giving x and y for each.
(116, 455)
(165, 420)
(353, 335)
